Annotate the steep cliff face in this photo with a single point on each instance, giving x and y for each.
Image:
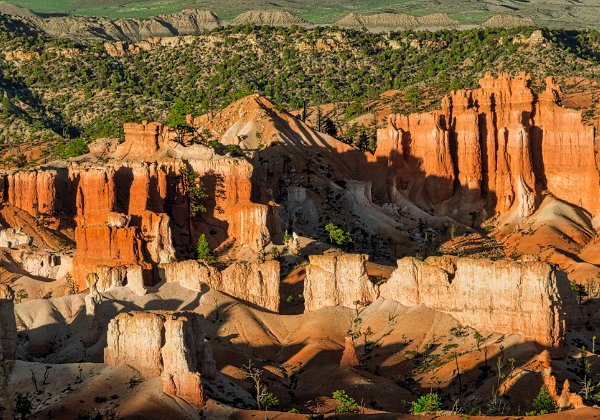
(165, 344)
(133, 211)
(563, 146)
(503, 296)
(497, 147)
(508, 297)
(33, 191)
(257, 283)
(100, 246)
(333, 280)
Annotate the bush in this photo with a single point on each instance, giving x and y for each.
(234, 150)
(543, 403)
(427, 402)
(73, 148)
(203, 250)
(268, 400)
(338, 236)
(347, 403)
(178, 112)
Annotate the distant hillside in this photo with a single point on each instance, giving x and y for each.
(397, 21)
(554, 14)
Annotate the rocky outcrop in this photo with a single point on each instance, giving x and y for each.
(256, 283)
(8, 325)
(44, 264)
(502, 296)
(11, 237)
(397, 21)
(100, 246)
(180, 375)
(337, 280)
(495, 147)
(109, 277)
(542, 365)
(133, 212)
(33, 191)
(165, 344)
(507, 21)
(93, 301)
(526, 298)
(349, 357)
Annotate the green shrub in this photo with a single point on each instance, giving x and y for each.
(234, 150)
(178, 112)
(543, 403)
(73, 148)
(268, 400)
(337, 235)
(203, 250)
(347, 403)
(427, 402)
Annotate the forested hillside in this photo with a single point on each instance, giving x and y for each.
(56, 89)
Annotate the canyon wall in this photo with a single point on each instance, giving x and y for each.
(256, 283)
(496, 147)
(503, 296)
(337, 280)
(165, 344)
(133, 211)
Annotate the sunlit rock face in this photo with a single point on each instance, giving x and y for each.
(501, 296)
(497, 147)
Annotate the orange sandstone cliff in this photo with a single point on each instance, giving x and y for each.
(132, 211)
(495, 147)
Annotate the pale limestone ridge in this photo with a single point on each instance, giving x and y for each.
(501, 296)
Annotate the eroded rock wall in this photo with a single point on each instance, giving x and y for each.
(133, 211)
(502, 296)
(526, 298)
(337, 280)
(257, 283)
(496, 147)
(165, 344)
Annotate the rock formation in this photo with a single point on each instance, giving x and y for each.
(93, 300)
(256, 283)
(132, 213)
(14, 237)
(337, 280)
(208, 366)
(349, 357)
(165, 344)
(495, 147)
(531, 304)
(542, 365)
(186, 22)
(507, 21)
(269, 17)
(397, 21)
(468, 289)
(8, 325)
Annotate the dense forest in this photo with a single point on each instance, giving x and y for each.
(56, 90)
